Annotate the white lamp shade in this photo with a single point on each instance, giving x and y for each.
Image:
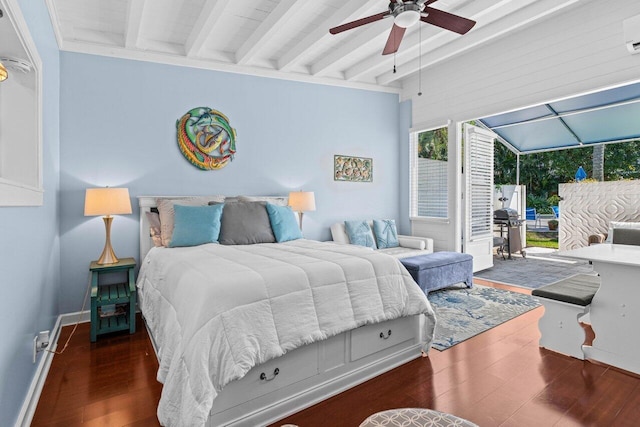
(107, 201)
(302, 201)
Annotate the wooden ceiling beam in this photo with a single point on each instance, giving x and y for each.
(135, 16)
(374, 34)
(349, 11)
(207, 19)
(275, 22)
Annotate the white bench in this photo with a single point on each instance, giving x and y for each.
(565, 303)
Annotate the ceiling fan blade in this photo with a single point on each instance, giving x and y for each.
(448, 21)
(393, 42)
(359, 22)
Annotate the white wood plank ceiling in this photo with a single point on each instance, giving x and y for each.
(286, 39)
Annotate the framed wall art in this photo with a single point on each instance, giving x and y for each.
(355, 169)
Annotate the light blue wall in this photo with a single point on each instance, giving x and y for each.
(29, 244)
(118, 129)
(404, 223)
(112, 122)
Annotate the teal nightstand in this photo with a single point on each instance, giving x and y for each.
(113, 306)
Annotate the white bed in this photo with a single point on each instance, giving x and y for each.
(300, 352)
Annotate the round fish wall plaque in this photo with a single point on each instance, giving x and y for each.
(206, 138)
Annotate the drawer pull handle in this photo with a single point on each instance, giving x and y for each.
(263, 376)
(387, 337)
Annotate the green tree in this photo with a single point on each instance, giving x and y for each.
(542, 172)
(433, 144)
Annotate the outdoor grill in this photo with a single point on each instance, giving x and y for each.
(506, 216)
(509, 223)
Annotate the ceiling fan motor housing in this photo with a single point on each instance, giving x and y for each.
(406, 14)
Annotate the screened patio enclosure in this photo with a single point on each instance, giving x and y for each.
(603, 117)
(606, 116)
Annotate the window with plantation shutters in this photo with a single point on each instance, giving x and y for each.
(478, 148)
(429, 186)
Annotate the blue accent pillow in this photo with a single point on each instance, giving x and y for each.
(360, 233)
(283, 223)
(196, 225)
(386, 233)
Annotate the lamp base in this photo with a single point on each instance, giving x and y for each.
(108, 255)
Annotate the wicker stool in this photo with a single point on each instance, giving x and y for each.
(415, 417)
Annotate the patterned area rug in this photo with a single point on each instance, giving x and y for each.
(464, 313)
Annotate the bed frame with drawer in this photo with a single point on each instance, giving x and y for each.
(310, 374)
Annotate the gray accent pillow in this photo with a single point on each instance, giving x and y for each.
(626, 236)
(613, 225)
(245, 223)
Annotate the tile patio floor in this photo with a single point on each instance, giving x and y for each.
(540, 267)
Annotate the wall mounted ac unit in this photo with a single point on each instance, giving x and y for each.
(631, 28)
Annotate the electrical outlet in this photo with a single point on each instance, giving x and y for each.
(43, 340)
(40, 342)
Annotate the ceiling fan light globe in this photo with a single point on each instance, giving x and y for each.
(407, 18)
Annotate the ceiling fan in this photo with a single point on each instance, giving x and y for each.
(406, 14)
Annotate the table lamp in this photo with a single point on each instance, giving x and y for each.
(107, 202)
(4, 74)
(302, 201)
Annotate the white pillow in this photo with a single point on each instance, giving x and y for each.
(614, 224)
(155, 228)
(412, 243)
(274, 200)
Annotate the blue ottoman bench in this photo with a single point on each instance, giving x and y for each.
(440, 269)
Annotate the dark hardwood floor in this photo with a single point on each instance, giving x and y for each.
(111, 382)
(498, 378)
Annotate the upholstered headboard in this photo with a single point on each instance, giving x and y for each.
(147, 203)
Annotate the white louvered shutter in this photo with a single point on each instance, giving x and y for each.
(479, 182)
(478, 196)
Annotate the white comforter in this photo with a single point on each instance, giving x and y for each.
(217, 311)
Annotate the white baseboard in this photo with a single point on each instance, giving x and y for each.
(33, 394)
(79, 316)
(30, 403)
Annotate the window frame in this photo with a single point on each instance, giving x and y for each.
(18, 192)
(413, 176)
